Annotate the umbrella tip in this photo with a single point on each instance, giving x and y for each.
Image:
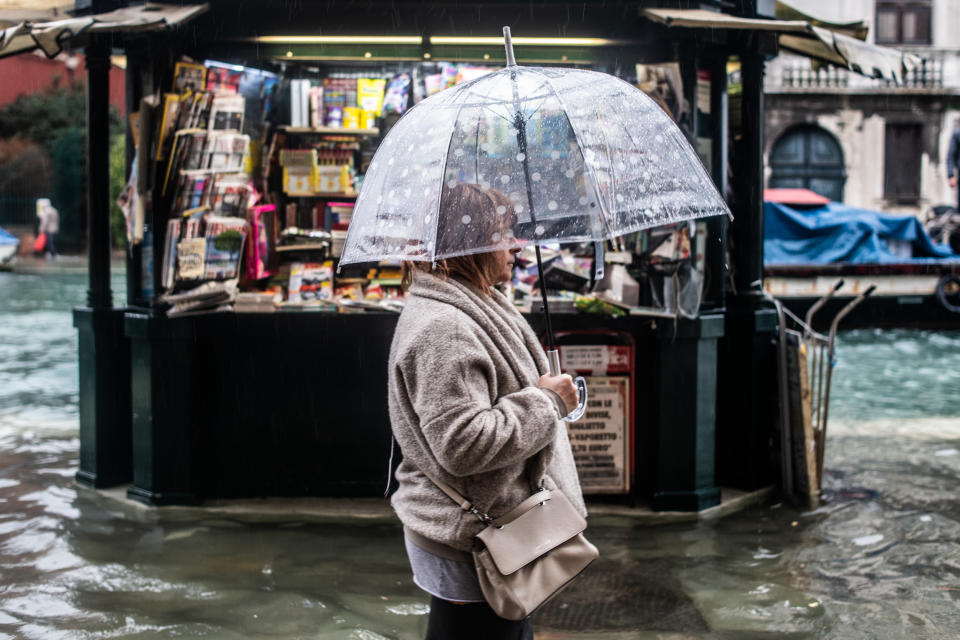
(508, 45)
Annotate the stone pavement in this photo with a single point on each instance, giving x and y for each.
(62, 263)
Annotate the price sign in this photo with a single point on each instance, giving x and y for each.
(600, 439)
(595, 359)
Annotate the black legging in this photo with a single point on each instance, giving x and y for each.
(473, 621)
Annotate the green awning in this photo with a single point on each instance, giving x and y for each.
(857, 29)
(51, 36)
(802, 38)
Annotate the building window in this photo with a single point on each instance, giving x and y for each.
(901, 162)
(808, 157)
(903, 22)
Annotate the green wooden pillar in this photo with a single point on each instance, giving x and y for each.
(104, 357)
(164, 393)
(686, 392)
(747, 411)
(715, 277)
(747, 404)
(747, 227)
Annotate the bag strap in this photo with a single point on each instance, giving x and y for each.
(467, 506)
(454, 495)
(446, 488)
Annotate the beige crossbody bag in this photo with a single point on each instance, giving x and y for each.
(527, 556)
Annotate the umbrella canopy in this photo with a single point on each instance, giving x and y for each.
(564, 155)
(581, 155)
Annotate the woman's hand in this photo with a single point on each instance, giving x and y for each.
(563, 386)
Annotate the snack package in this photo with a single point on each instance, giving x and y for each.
(418, 90)
(370, 94)
(395, 100)
(449, 73)
(351, 117)
(467, 73)
(316, 281)
(434, 83)
(334, 116)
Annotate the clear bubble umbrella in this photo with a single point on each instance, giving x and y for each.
(582, 156)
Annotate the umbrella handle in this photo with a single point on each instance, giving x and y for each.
(553, 356)
(575, 415)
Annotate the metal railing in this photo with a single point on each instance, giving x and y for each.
(801, 74)
(798, 73)
(18, 211)
(929, 75)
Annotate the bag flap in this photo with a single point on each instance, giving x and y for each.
(538, 524)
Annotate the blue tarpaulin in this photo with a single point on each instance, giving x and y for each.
(6, 238)
(834, 232)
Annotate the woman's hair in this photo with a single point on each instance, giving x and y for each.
(489, 214)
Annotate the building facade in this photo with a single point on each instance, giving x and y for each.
(869, 143)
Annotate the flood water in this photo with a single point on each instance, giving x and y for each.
(880, 559)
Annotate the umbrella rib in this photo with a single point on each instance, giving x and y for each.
(697, 168)
(508, 120)
(443, 181)
(659, 194)
(614, 181)
(534, 112)
(495, 101)
(588, 169)
(501, 116)
(476, 151)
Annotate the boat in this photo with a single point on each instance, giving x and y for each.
(811, 243)
(9, 246)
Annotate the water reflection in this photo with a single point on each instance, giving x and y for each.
(880, 559)
(896, 374)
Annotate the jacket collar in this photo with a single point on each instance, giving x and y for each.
(496, 316)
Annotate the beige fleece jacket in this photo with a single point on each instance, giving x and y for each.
(465, 407)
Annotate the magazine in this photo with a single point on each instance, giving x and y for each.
(205, 298)
(190, 255)
(229, 195)
(199, 111)
(196, 144)
(225, 237)
(189, 77)
(262, 244)
(222, 80)
(182, 154)
(194, 190)
(226, 113)
(170, 254)
(127, 201)
(168, 122)
(316, 106)
(225, 151)
(193, 219)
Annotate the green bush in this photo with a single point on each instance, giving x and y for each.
(118, 178)
(70, 186)
(56, 120)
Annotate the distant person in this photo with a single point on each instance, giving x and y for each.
(953, 160)
(49, 226)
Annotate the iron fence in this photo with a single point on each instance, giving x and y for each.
(18, 211)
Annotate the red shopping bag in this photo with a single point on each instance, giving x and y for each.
(40, 242)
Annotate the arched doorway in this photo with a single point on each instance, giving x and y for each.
(808, 157)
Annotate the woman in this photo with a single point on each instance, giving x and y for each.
(469, 405)
(49, 225)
